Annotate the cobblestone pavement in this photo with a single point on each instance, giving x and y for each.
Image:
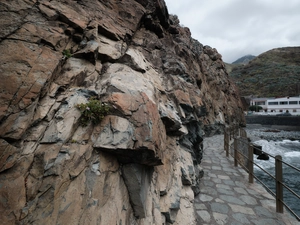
(226, 197)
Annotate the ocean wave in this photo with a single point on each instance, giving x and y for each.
(292, 154)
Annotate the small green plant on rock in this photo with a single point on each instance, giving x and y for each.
(67, 53)
(92, 111)
(73, 141)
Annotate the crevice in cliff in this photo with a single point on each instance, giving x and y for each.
(66, 20)
(107, 33)
(137, 179)
(7, 171)
(153, 26)
(47, 43)
(143, 156)
(170, 215)
(14, 142)
(192, 142)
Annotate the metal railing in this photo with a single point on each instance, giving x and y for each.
(231, 143)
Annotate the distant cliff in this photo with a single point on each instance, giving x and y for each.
(273, 73)
(141, 164)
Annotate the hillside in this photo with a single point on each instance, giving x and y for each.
(273, 73)
(241, 61)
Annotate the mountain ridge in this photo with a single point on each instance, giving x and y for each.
(244, 59)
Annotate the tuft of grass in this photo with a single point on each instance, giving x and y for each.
(93, 111)
(67, 53)
(73, 141)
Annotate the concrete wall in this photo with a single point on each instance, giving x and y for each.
(274, 120)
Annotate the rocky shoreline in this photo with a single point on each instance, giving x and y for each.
(257, 132)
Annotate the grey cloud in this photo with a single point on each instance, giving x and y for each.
(238, 27)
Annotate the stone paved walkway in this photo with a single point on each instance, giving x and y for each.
(226, 197)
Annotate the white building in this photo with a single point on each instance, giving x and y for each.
(278, 105)
(260, 102)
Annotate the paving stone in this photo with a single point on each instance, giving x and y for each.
(204, 215)
(254, 193)
(210, 183)
(241, 218)
(231, 199)
(216, 168)
(220, 218)
(224, 186)
(225, 191)
(242, 209)
(241, 170)
(268, 203)
(240, 190)
(248, 200)
(206, 167)
(223, 177)
(200, 206)
(206, 161)
(219, 200)
(212, 175)
(209, 191)
(217, 180)
(261, 211)
(219, 207)
(240, 184)
(229, 170)
(229, 182)
(205, 198)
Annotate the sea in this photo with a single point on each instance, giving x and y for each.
(284, 143)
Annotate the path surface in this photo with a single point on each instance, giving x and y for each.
(226, 197)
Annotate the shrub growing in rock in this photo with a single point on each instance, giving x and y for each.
(67, 53)
(92, 111)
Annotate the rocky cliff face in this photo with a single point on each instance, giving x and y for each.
(141, 164)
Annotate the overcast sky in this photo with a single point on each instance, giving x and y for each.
(240, 27)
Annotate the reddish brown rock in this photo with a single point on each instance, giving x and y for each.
(141, 164)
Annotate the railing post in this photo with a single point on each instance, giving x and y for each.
(279, 187)
(227, 145)
(235, 152)
(225, 138)
(250, 163)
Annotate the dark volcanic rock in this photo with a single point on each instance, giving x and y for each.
(263, 156)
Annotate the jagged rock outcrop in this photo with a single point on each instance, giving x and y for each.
(141, 164)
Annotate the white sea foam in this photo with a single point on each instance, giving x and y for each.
(284, 144)
(292, 154)
(287, 149)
